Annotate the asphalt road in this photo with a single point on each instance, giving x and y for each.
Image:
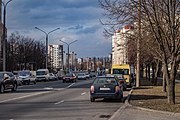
(55, 101)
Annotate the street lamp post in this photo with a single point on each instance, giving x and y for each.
(138, 45)
(68, 44)
(47, 33)
(4, 34)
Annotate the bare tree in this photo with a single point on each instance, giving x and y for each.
(163, 20)
(23, 51)
(160, 30)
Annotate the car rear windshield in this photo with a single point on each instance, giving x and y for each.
(121, 71)
(105, 80)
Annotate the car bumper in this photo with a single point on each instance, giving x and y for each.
(107, 95)
(40, 79)
(81, 78)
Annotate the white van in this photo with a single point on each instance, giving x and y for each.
(42, 75)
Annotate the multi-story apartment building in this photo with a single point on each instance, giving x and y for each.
(72, 60)
(120, 45)
(94, 63)
(55, 53)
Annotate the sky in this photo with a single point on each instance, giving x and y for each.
(77, 19)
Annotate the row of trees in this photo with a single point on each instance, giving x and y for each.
(24, 53)
(158, 26)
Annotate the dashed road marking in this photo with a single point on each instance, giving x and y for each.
(83, 93)
(23, 97)
(3, 101)
(70, 85)
(59, 102)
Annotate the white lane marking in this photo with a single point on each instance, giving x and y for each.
(3, 101)
(59, 102)
(70, 85)
(83, 93)
(23, 97)
(48, 88)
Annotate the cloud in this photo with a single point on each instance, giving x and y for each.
(77, 27)
(78, 19)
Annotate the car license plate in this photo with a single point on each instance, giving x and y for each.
(104, 88)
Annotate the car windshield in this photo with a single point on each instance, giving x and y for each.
(69, 75)
(23, 73)
(40, 73)
(81, 74)
(105, 80)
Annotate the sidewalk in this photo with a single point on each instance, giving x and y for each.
(140, 101)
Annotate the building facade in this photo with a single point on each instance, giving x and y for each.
(55, 53)
(72, 60)
(120, 45)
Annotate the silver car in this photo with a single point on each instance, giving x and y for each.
(26, 77)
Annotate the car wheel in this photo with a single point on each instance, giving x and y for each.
(2, 89)
(14, 87)
(92, 99)
(35, 82)
(29, 82)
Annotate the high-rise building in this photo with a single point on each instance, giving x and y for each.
(72, 60)
(55, 53)
(120, 45)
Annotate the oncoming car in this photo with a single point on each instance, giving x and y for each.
(106, 87)
(26, 77)
(7, 81)
(70, 77)
(81, 76)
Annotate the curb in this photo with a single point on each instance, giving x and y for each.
(147, 109)
(115, 116)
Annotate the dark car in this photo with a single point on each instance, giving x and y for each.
(70, 77)
(106, 87)
(7, 81)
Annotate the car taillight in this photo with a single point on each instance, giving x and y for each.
(121, 81)
(92, 89)
(117, 89)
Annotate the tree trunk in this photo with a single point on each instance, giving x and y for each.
(156, 72)
(153, 73)
(171, 92)
(164, 82)
(146, 72)
(149, 72)
(170, 79)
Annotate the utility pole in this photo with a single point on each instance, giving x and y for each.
(4, 34)
(47, 34)
(138, 45)
(68, 45)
